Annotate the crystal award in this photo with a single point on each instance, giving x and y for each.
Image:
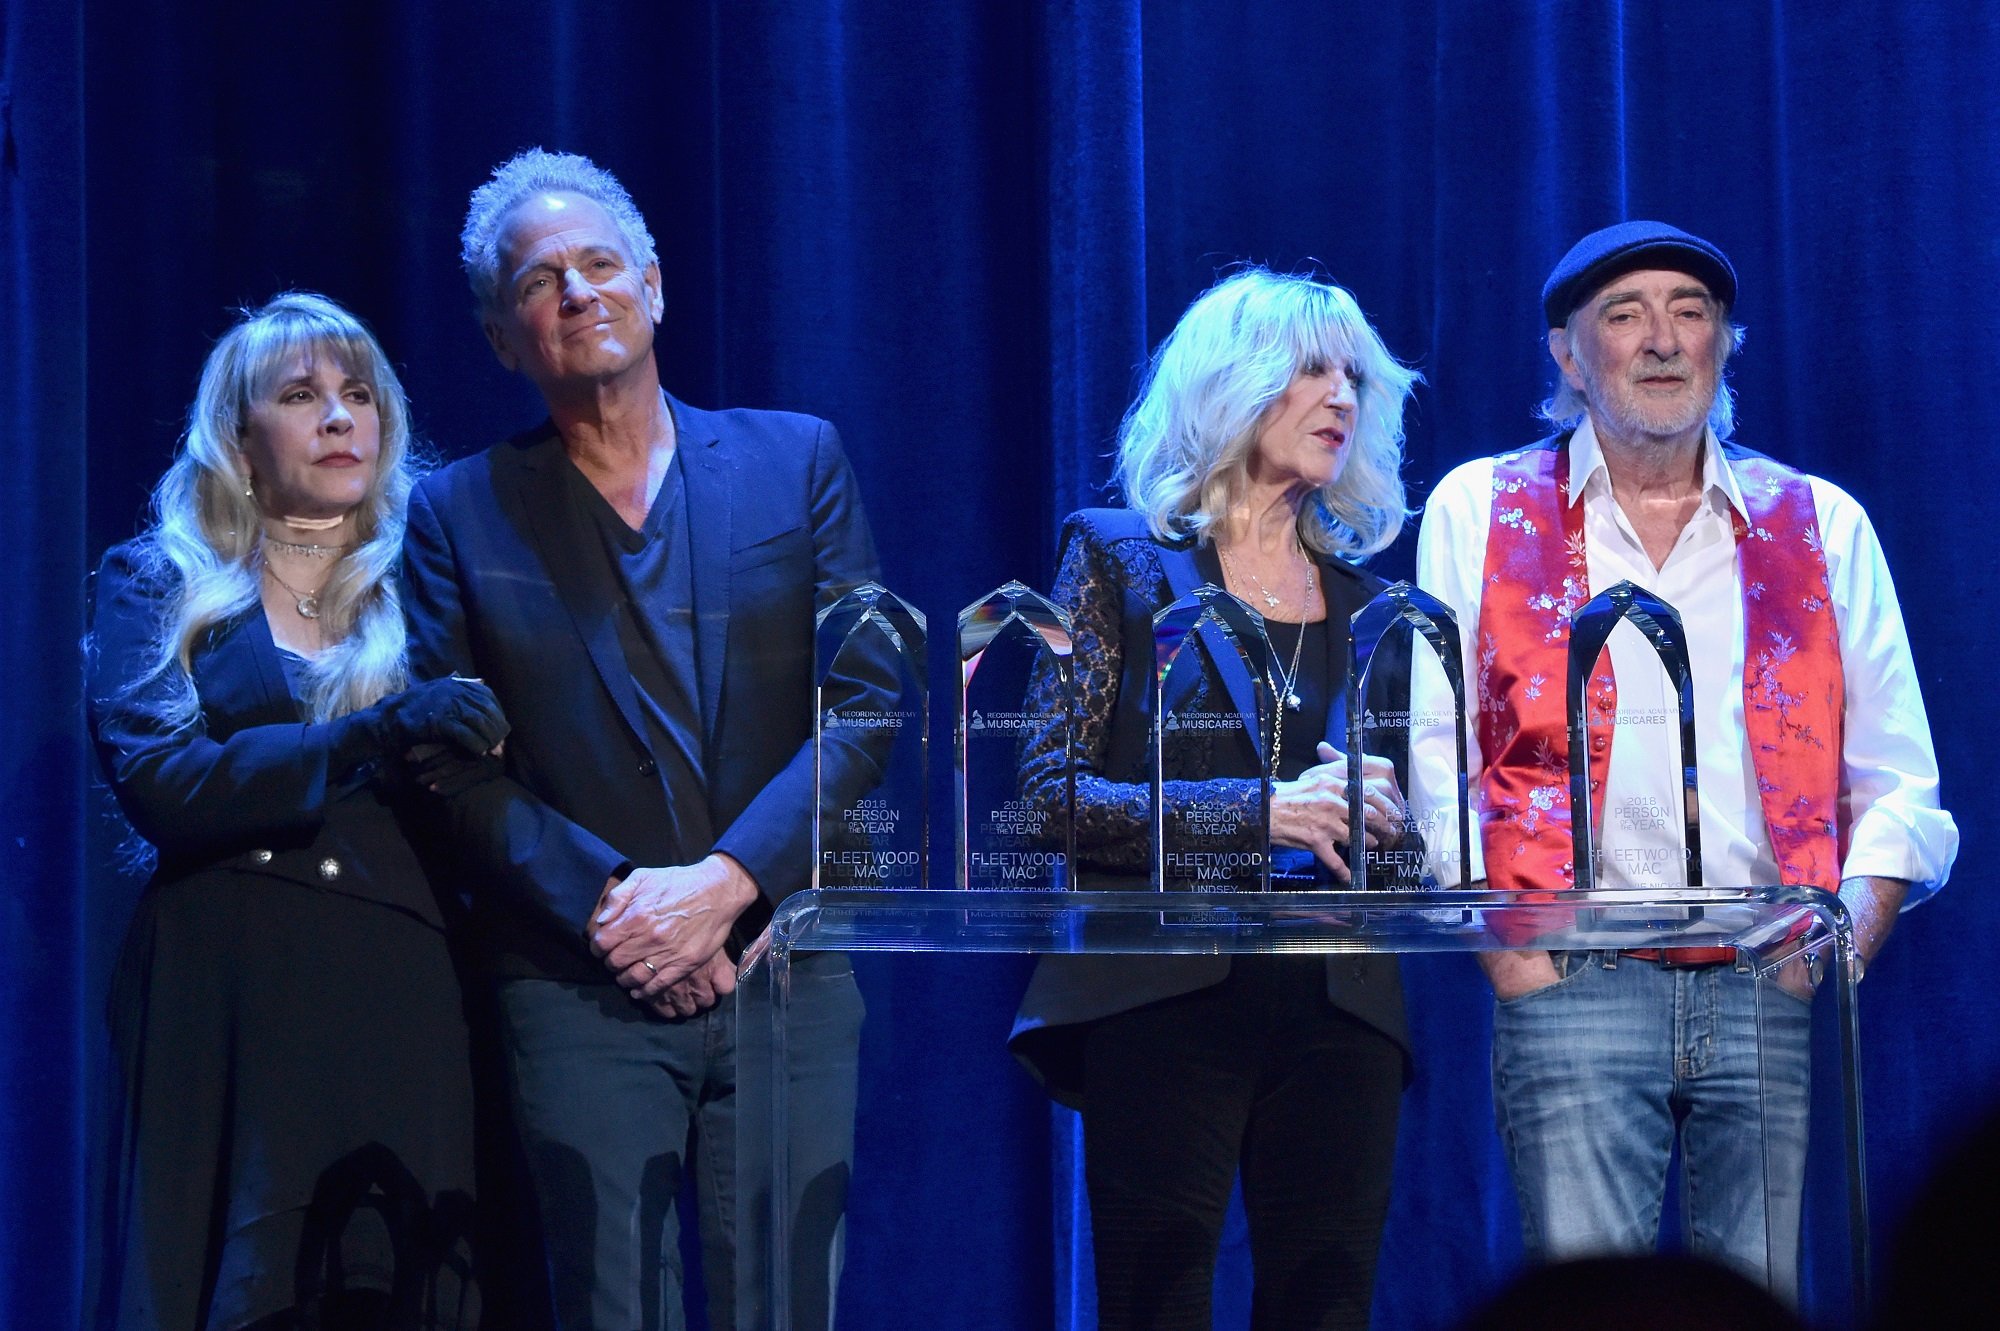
(1016, 743)
(1387, 720)
(1652, 831)
(870, 751)
(1212, 717)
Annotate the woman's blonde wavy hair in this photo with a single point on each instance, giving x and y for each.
(1185, 444)
(205, 534)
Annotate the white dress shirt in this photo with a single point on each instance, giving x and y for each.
(1889, 777)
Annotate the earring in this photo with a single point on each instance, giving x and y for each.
(248, 493)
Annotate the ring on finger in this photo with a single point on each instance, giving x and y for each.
(649, 965)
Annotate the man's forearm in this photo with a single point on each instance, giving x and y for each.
(1872, 905)
(1515, 973)
(739, 885)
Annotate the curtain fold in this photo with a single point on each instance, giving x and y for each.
(51, 1055)
(1093, 107)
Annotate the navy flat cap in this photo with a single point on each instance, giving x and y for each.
(1627, 247)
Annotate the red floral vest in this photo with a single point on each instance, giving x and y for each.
(1537, 576)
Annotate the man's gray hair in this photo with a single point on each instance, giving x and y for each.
(522, 176)
(1565, 407)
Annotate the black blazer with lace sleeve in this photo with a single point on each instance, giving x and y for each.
(1115, 576)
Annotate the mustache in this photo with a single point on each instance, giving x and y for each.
(1676, 368)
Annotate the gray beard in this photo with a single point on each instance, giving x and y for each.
(1633, 424)
(1629, 419)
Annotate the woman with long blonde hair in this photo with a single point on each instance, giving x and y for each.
(1263, 455)
(284, 1011)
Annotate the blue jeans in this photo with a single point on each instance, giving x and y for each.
(1593, 1077)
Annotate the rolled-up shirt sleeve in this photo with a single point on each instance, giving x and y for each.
(1896, 826)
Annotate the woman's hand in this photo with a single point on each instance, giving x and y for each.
(455, 711)
(449, 771)
(1311, 812)
(460, 713)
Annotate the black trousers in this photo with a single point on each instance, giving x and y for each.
(1262, 1072)
(613, 1105)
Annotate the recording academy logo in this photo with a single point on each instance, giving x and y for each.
(833, 719)
(1371, 719)
(983, 722)
(1178, 721)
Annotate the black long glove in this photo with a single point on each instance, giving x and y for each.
(460, 712)
(444, 769)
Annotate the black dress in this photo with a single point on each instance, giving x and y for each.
(295, 1129)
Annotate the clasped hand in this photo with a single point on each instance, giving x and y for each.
(660, 932)
(1311, 812)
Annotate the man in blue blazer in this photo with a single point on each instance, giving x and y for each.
(636, 580)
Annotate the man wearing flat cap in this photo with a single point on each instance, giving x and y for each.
(1814, 754)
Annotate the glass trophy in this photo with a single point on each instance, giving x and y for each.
(1016, 743)
(1632, 843)
(1387, 719)
(1212, 716)
(871, 757)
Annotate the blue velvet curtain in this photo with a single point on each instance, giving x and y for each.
(49, 944)
(955, 229)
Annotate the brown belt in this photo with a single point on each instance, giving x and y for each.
(1682, 958)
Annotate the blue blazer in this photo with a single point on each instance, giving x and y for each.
(500, 583)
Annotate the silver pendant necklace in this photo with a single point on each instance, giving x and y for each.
(1270, 598)
(307, 602)
(1288, 679)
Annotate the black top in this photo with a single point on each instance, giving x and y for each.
(1311, 685)
(1299, 731)
(655, 618)
(250, 785)
(294, 667)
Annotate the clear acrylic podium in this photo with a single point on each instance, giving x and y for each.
(1768, 926)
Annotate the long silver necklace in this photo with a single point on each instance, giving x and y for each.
(1287, 679)
(1292, 704)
